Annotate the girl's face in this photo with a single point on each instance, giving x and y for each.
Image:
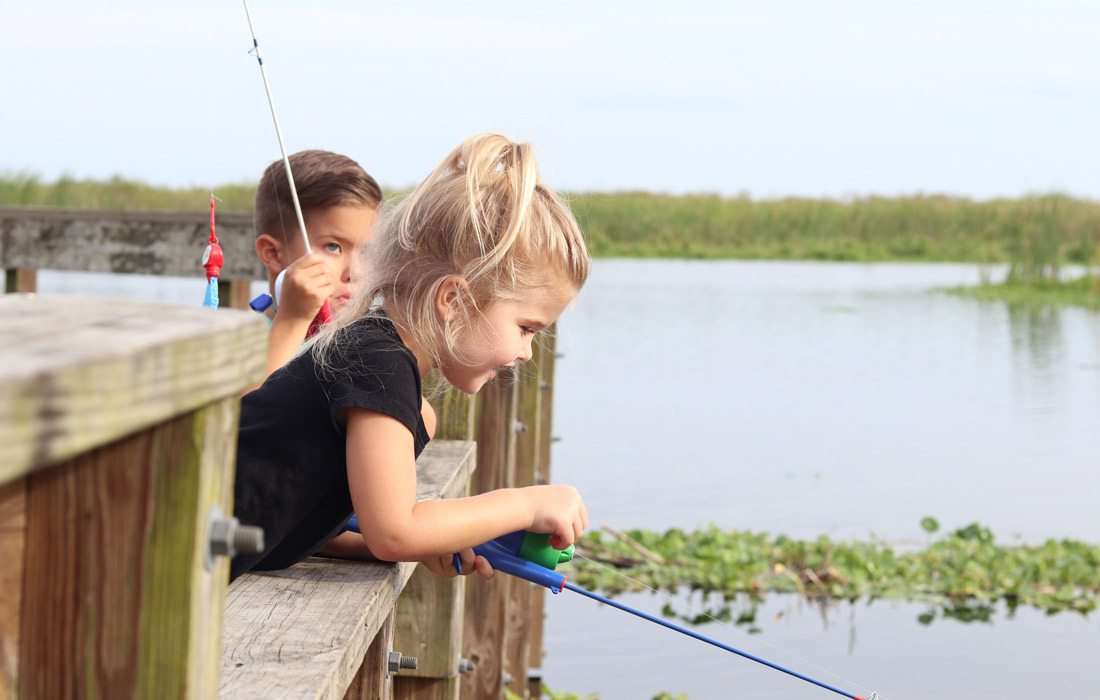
(501, 336)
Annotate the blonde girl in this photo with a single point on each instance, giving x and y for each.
(462, 274)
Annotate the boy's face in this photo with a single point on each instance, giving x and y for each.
(336, 234)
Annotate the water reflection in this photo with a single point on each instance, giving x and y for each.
(858, 645)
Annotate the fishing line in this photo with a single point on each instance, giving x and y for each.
(668, 599)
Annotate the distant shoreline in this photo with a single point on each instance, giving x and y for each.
(917, 228)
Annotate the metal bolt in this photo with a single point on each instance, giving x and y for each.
(544, 385)
(226, 537)
(519, 426)
(465, 665)
(506, 678)
(555, 438)
(398, 661)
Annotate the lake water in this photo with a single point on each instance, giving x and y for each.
(820, 398)
(812, 398)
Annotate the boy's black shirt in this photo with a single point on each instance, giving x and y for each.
(292, 475)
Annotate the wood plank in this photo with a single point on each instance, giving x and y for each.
(303, 632)
(155, 243)
(118, 602)
(78, 373)
(12, 538)
(454, 410)
(486, 601)
(234, 293)
(519, 621)
(21, 281)
(430, 611)
(429, 627)
(372, 680)
(545, 358)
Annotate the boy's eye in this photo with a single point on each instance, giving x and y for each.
(333, 247)
(527, 330)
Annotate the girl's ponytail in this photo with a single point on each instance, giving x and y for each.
(482, 215)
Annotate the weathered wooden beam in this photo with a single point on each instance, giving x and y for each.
(78, 373)
(20, 280)
(372, 680)
(541, 438)
(234, 294)
(122, 604)
(156, 243)
(304, 632)
(110, 465)
(486, 602)
(430, 611)
(12, 545)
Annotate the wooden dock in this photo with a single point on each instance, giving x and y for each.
(117, 438)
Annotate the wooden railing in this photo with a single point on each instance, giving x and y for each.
(109, 474)
(117, 443)
(152, 243)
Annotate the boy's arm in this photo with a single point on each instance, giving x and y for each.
(287, 335)
(306, 286)
(350, 545)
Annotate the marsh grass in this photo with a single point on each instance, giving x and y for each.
(1037, 236)
(1035, 231)
(28, 190)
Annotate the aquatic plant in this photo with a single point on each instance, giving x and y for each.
(961, 574)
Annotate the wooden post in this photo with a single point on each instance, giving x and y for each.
(541, 439)
(20, 280)
(431, 609)
(117, 437)
(234, 293)
(372, 681)
(486, 602)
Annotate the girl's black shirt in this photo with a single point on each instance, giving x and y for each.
(292, 476)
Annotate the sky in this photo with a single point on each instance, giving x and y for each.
(770, 99)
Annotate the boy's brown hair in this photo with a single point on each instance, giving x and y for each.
(323, 180)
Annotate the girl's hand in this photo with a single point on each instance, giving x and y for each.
(306, 286)
(558, 510)
(444, 565)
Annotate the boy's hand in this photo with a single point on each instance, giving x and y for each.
(559, 511)
(306, 286)
(444, 566)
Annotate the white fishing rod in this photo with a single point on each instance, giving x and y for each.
(324, 314)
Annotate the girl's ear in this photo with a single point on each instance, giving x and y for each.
(448, 297)
(272, 253)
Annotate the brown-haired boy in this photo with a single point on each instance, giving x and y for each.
(340, 204)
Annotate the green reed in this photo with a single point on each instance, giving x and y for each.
(28, 190)
(1036, 234)
(1035, 230)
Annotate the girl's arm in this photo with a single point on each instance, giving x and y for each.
(382, 478)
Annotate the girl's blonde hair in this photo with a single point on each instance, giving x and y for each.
(482, 215)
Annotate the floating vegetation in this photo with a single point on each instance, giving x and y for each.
(963, 575)
(1083, 291)
(546, 693)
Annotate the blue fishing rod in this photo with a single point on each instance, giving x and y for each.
(529, 556)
